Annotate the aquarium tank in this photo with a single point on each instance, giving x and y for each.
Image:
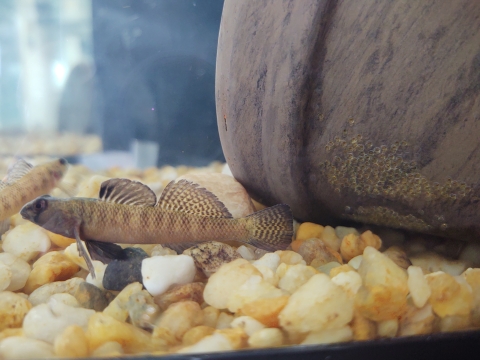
(239, 179)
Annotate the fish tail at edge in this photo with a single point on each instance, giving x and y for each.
(272, 228)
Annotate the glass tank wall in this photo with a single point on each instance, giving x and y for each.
(126, 82)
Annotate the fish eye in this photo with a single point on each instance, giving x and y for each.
(40, 204)
(62, 161)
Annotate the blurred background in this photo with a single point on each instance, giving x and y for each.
(110, 82)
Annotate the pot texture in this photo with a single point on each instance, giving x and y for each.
(355, 110)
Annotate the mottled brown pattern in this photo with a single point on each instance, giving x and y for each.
(39, 181)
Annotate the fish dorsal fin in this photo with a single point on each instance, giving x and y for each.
(189, 198)
(18, 170)
(128, 192)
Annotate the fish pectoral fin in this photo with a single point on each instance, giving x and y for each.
(104, 252)
(128, 192)
(83, 252)
(18, 170)
(189, 198)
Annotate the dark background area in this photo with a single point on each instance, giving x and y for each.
(155, 76)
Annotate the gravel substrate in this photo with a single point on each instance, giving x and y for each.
(333, 285)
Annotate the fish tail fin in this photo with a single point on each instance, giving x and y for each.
(272, 228)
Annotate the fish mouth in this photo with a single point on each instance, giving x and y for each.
(27, 212)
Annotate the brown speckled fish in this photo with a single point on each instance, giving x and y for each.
(24, 183)
(128, 212)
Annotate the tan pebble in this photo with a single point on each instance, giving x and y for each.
(449, 295)
(418, 286)
(398, 256)
(9, 332)
(17, 272)
(247, 323)
(53, 266)
(108, 350)
(363, 328)
(431, 262)
(252, 289)
(268, 274)
(317, 305)
(266, 311)
(224, 320)
(142, 311)
(59, 240)
(226, 280)
(90, 187)
(19, 347)
(342, 231)
(118, 307)
(417, 321)
(266, 338)
(383, 295)
(211, 343)
(353, 245)
(294, 276)
(472, 276)
(339, 269)
(316, 253)
(180, 317)
(453, 323)
(103, 328)
(387, 328)
(350, 281)
(356, 262)
(309, 230)
(330, 238)
(329, 336)
(165, 336)
(197, 333)
(210, 316)
(71, 343)
(159, 250)
(237, 337)
(43, 293)
(290, 257)
(326, 268)
(209, 256)
(190, 292)
(13, 309)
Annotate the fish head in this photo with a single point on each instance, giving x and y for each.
(49, 213)
(56, 169)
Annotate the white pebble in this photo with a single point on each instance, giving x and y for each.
(350, 281)
(215, 342)
(248, 324)
(246, 252)
(266, 338)
(342, 231)
(418, 286)
(356, 262)
(226, 170)
(224, 320)
(65, 299)
(99, 268)
(270, 260)
(19, 268)
(159, 250)
(26, 241)
(328, 266)
(19, 347)
(161, 272)
(5, 276)
(45, 321)
(387, 328)
(329, 336)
